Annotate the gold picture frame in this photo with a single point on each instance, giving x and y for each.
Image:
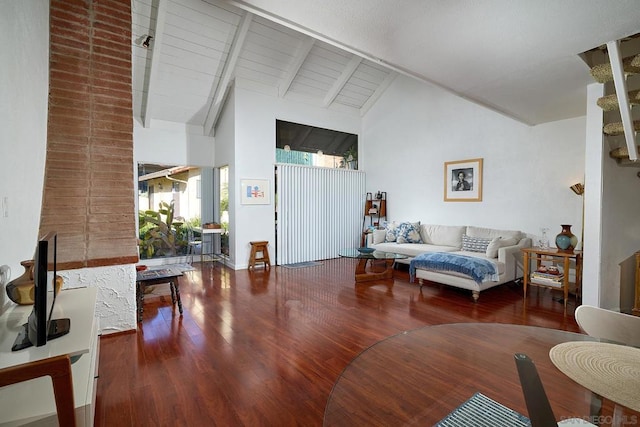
(463, 181)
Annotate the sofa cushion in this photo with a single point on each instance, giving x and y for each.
(442, 235)
(403, 229)
(412, 249)
(492, 232)
(475, 244)
(391, 231)
(378, 236)
(408, 233)
(497, 243)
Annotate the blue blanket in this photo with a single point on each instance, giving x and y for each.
(479, 269)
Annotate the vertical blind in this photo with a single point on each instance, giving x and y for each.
(319, 212)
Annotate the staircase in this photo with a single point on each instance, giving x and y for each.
(628, 77)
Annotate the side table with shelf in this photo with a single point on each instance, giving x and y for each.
(549, 254)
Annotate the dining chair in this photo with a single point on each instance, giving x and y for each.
(609, 325)
(192, 244)
(59, 369)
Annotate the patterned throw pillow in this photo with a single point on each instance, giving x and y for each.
(475, 244)
(391, 232)
(408, 233)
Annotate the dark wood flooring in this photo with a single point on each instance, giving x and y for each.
(264, 348)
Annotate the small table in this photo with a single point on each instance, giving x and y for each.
(549, 253)
(211, 232)
(153, 277)
(362, 275)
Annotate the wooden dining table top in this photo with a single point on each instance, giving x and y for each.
(419, 376)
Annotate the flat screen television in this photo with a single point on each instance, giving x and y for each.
(40, 326)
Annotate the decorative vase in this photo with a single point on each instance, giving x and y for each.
(21, 289)
(566, 241)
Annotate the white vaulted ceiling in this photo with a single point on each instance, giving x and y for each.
(517, 57)
(199, 47)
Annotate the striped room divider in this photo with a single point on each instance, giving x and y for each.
(319, 212)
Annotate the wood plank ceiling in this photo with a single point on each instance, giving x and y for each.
(199, 47)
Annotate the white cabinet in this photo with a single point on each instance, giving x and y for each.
(32, 402)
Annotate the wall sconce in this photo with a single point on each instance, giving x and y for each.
(320, 153)
(578, 188)
(287, 148)
(147, 41)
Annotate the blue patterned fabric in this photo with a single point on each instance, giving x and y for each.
(408, 233)
(479, 269)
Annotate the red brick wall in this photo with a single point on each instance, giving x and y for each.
(88, 186)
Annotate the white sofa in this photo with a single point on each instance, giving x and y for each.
(503, 250)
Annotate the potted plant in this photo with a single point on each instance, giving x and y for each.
(350, 157)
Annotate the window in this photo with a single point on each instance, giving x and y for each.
(314, 146)
(168, 202)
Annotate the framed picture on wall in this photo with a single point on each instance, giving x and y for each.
(463, 181)
(255, 192)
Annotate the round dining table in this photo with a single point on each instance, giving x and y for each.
(419, 376)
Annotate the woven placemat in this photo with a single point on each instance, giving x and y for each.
(610, 370)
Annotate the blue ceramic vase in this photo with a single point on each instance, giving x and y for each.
(566, 241)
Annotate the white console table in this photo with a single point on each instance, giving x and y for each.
(211, 254)
(32, 402)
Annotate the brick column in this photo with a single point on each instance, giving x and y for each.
(88, 186)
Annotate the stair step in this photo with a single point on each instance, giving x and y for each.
(602, 72)
(610, 102)
(621, 155)
(614, 129)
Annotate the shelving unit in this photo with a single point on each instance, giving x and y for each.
(375, 208)
(540, 255)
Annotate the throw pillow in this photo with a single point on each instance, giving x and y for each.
(378, 236)
(475, 244)
(492, 249)
(408, 233)
(391, 232)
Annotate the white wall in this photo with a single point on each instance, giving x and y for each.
(24, 76)
(415, 128)
(225, 156)
(255, 130)
(620, 227)
(168, 143)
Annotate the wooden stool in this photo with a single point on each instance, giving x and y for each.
(264, 254)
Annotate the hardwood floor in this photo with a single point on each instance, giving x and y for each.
(265, 348)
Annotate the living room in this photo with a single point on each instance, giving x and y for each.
(405, 139)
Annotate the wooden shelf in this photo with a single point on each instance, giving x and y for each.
(549, 254)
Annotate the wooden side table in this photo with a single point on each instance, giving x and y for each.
(539, 255)
(153, 277)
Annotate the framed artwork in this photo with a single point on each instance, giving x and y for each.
(255, 192)
(463, 181)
